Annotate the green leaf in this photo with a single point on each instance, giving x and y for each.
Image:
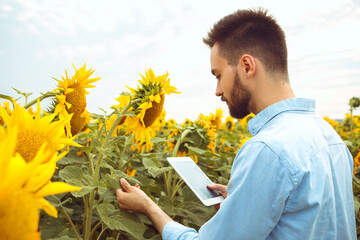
(123, 220)
(166, 205)
(84, 190)
(225, 168)
(72, 175)
(157, 171)
(113, 181)
(195, 150)
(150, 163)
(95, 143)
(194, 213)
(356, 206)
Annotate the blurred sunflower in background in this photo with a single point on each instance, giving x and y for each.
(23, 187)
(229, 124)
(244, 121)
(33, 132)
(214, 119)
(71, 98)
(151, 97)
(200, 135)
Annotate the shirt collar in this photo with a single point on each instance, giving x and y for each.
(292, 104)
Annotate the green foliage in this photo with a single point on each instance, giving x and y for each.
(93, 212)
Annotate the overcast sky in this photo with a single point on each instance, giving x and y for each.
(120, 39)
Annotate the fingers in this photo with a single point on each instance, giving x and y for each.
(125, 184)
(219, 187)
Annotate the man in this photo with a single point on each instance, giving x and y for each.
(293, 178)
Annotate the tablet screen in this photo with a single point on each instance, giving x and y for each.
(194, 177)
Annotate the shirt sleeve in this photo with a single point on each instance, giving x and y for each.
(257, 192)
(174, 230)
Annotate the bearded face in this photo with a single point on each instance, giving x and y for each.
(239, 99)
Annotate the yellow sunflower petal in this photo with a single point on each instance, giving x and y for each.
(56, 188)
(47, 207)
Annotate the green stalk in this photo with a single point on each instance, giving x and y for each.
(178, 143)
(87, 232)
(169, 177)
(117, 121)
(94, 229)
(42, 97)
(70, 221)
(102, 231)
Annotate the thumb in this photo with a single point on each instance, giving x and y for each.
(125, 184)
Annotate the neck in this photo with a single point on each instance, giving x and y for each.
(268, 91)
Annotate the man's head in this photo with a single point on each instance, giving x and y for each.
(241, 44)
(251, 32)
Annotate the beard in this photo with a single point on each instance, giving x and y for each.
(239, 100)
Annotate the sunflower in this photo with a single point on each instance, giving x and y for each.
(34, 132)
(23, 187)
(229, 123)
(7, 108)
(214, 119)
(201, 135)
(71, 97)
(244, 121)
(151, 97)
(210, 139)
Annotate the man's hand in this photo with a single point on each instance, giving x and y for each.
(221, 189)
(134, 199)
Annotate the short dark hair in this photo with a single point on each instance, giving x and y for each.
(251, 32)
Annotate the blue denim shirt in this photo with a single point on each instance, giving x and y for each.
(291, 180)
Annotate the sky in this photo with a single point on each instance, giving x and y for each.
(121, 39)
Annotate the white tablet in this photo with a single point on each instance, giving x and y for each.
(196, 179)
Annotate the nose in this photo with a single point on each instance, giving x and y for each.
(219, 91)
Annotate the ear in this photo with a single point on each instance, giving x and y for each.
(247, 65)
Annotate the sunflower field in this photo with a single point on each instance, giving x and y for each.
(60, 166)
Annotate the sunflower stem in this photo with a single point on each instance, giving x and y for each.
(94, 229)
(42, 97)
(117, 121)
(169, 178)
(178, 143)
(70, 221)
(97, 169)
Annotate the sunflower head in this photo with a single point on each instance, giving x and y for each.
(71, 98)
(33, 132)
(229, 123)
(244, 121)
(150, 96)
(23, 187)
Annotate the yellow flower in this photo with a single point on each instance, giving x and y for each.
(356, 162)
(130, 172)
(210, 133)
(171, 122)
(187, 122)
(244, 121)
(151, 97)
(72, 97)
(34, 132)
(243, 141)
(332, 122)
(7, 108)
(23, 187)
(229, 123)
(214, 119)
